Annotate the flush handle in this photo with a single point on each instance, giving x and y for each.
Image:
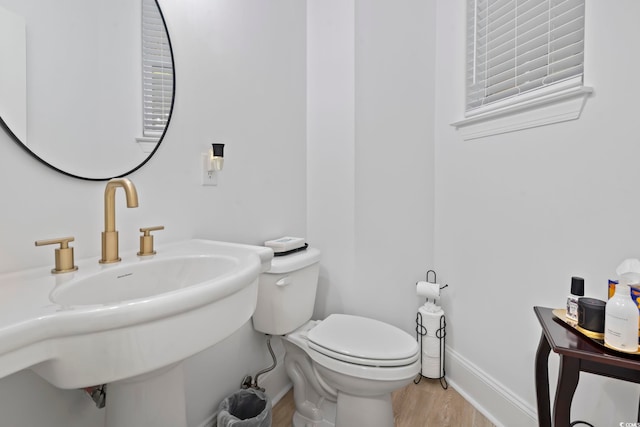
(64, 254)
(284, 281)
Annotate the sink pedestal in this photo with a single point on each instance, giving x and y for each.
(155, 399)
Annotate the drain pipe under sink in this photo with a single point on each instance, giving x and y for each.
(98, 394)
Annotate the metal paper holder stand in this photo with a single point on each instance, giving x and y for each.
(441, 334)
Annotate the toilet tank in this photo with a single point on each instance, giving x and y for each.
(287, 293)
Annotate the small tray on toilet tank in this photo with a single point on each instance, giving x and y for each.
(294, 261)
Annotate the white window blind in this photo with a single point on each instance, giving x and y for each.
(157, 71)
(519, 49)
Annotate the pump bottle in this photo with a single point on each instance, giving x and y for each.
(621, 320)
(577, 291)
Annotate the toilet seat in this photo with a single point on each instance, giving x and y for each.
(362, 341)
(375, 373)
(379, 363)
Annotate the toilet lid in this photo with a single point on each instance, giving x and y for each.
(362, 340)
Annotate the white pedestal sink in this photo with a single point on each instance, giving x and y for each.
(129, 325)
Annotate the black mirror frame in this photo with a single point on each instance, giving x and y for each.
(173, 100)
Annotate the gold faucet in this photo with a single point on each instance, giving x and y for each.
(110, 235)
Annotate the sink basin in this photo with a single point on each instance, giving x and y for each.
(143, 280)
(110, 322)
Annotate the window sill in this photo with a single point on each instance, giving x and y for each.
(553, 108)
(147, 144)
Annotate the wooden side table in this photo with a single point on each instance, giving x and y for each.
(577, 354)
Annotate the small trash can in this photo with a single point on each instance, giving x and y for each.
(245, 408)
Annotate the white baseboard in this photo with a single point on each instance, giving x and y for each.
(212, 421)
(490, 397)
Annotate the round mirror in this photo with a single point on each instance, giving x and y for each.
(91, 84)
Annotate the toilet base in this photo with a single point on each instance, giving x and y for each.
(326, 398)
(370, 411)
(352, 411)
(300, 421)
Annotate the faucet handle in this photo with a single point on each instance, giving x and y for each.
(64, 254)
(146, 240)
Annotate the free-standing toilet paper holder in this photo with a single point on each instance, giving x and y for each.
(431, 291)
(440, 334)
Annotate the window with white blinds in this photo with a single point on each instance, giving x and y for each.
(520, 49)
(157, 71)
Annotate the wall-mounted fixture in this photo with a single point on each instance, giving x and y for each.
(51, 78)
(212, 163)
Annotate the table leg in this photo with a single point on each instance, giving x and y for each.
(542, 382)
(568, 377)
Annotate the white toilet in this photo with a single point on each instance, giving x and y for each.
(343, 368)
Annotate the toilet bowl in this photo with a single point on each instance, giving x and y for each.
(356, 362)
(343, 368)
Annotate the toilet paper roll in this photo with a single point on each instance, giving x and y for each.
(431, 319)
(431, 367)
(428, 289)
(431, 346)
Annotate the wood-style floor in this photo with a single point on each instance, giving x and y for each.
(426, 404)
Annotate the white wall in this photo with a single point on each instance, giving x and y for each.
(330, 147)
(370, 162)
(395, 42)
(516, 215)
(240, 68)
